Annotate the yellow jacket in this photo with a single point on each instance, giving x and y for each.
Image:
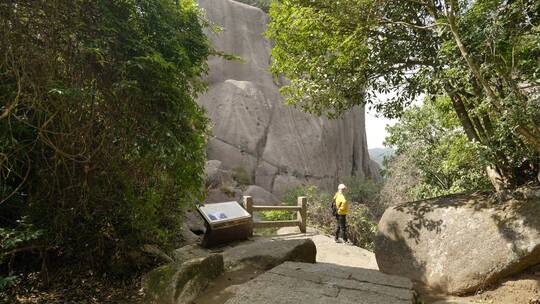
(341, 203)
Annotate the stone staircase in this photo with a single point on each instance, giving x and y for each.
(342, 274)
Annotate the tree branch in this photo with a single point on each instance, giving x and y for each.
(411, 25)
(10, 107)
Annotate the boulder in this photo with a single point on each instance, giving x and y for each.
(265, 175)
(461, 243)
(282, 183)
(293, 282)
(252, 127)
(261, 196)
(157, 253)
(189, 252)
(194, 222)
(213, 173)
(267, 253)
(192, 227)
(217, 176)
(223, 194)
(181, 282)
(188, 236)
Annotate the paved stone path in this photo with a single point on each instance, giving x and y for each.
(331, 252)
(320, 283)
(343, 274)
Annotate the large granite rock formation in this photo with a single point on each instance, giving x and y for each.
(462, 243)
(278, 146)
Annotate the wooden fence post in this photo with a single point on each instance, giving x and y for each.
(302, 214)
(248, 205)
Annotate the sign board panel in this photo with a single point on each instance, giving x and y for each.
(221, 213)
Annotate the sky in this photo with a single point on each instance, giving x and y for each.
(375, 124)
(375, 129)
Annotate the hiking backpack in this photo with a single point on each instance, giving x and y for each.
(333, 208)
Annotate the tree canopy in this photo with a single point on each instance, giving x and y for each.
(443, 161)
(483, 55)
(101, 140)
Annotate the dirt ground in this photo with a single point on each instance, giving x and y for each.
(81, 288)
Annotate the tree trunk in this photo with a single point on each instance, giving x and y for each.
(464, 117)
(498, 181)
(522, 130)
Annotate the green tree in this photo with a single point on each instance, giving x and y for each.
(445, 161)
(482, 54)
(101, 140)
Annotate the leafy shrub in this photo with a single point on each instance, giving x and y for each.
(362, 190)
(290, 198)
(241, 176)
(433, 155)
(365, 191)
(278, 215)
(13, 240)
(101, 140)
(361, 227)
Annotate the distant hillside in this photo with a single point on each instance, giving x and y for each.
(378, 154)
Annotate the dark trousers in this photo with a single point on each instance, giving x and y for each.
(341, 226)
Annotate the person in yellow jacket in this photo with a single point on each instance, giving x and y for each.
(342, 206)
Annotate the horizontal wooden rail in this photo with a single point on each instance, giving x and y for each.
(280, 208)
(277, 224)
(301, 214)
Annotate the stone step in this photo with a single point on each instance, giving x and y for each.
(293, 282)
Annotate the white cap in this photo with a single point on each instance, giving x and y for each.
(341, 187)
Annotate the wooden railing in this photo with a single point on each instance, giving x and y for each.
(301, 214)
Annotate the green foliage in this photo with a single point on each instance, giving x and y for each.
(277, 215)
(240, 175)
(321, 54)
(361, 226)
(290, 198)
(12, 240)
(444, 161)
(362, 190)
(101, 140)
(6, 282)
(482, 54)
(366, 192)
(400, 175)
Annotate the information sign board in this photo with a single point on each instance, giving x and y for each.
(219, 214)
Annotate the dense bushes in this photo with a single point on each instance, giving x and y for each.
(433, 155)
(101, 141)
(361, 225)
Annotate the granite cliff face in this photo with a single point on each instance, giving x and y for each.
(278, 146)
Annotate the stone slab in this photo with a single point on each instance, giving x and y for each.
(293, 282)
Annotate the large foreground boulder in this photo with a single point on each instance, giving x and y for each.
(459, 244)
(181, 282)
